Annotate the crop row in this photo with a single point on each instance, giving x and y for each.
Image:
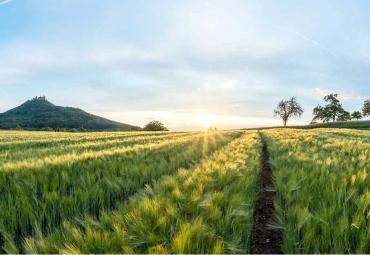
(205, 209)
(16, 143)
(38, 201)
(32, 151)
(323, 189)
(72, 155)
(25, 137)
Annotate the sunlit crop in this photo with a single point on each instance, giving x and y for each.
(205, 209)
(44, 182)
(323, 189)
(182, 192)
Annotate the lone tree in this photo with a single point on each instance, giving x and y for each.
(366, 108)
(332, 111)
(287, 109)
(155, 125)
(356, 115)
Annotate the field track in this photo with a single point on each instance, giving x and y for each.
(265, 238)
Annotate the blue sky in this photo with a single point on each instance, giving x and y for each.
(185, 61)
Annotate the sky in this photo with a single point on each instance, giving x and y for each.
(185, 62)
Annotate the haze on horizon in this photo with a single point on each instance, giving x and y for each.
(183, 62)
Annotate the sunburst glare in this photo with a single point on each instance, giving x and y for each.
(206, 122)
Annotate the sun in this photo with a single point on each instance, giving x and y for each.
(206, 121)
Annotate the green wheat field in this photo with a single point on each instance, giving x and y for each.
(181, 192)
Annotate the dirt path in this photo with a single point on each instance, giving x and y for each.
(265, 240)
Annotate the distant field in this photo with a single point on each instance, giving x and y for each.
(182, 192)
(361, 125)
(364, 124)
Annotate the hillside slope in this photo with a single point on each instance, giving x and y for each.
(38, 113)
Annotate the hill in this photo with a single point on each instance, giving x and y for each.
(38, 113)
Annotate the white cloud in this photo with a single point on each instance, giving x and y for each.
(212, 28)
(20, 62)
(122, 54)
(218, 86)
(342, 95)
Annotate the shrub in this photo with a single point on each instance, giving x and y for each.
(155, 125)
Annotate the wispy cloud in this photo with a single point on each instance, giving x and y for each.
(342, 95)
(5, 1)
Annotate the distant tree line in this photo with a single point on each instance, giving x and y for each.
(57, 129)
(154, 125)
(64, 129)
(334, 111)
(331, 112)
